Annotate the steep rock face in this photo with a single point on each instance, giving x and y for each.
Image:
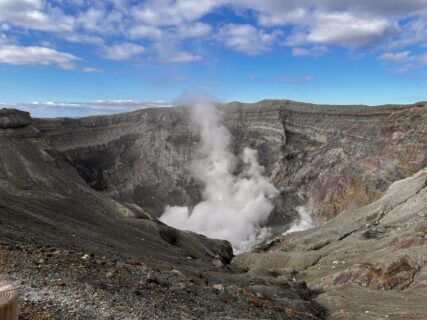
(332, 158)
(43, 199)
(367, 263)
(10, 118)
(325, 157)
(140, 157)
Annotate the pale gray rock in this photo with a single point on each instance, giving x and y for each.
(365, 263)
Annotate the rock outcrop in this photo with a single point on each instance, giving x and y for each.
(11, 118)
(367, 263)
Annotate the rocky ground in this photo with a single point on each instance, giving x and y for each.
(63, 284)
(368, 263)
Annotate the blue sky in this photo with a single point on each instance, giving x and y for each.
(62, 57)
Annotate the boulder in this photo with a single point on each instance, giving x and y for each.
(12, 118)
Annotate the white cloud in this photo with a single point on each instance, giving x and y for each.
(168, 40)
(247, 39)
(277, 13)
(123, 51)
(82, 38)
(182, 56)
(35, 14)
(53, 109)
(184, 31)
(343, 29)
(142, 31)
(172, 24)
(404, 61)
(283, 78)
(348, 23)
(349, 30)
(92, 19)
(280, 12)
(91, 70)
(397, 57)
(3, 38)
(413, 32)
(299, 79)
(33, 55)
(99, 19)
(173, 13)
(169, 51)
(195, 30)
(314, 51)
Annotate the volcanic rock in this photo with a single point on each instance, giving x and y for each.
(327, 158)
(373, 260)
(11, 118)
(97, 185)
(47, 204)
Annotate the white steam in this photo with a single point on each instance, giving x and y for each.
(235, 207)
(305, 221)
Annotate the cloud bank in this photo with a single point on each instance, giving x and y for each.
(235, 207)
(170, 30)
(52, 109)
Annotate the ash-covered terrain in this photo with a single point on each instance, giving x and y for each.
(79, 200)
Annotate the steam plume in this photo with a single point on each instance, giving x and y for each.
(305, 221)
(234, 207)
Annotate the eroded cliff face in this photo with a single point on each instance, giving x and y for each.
(140, 157)
(328, 158)
(366, 263)
(43, 199)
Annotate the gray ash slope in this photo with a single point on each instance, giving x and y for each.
(366, 263)
(92, 184)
